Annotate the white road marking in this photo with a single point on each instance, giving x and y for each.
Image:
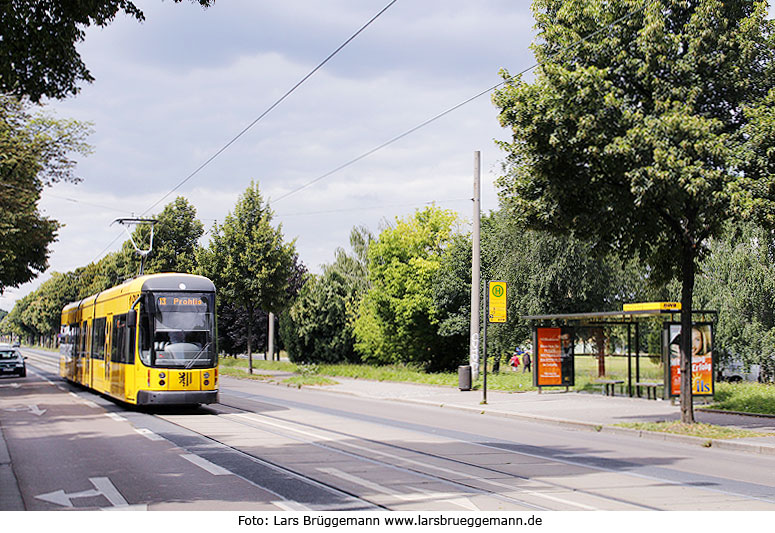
(393, 458)
(102, 487)
(291, 506)
(148, 434)
(204, 464)
(32, 408)
(115, 416)
(419, 496)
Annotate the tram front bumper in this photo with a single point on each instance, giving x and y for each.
(145, 397)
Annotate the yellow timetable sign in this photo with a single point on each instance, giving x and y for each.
(653, 306)
(497, 301)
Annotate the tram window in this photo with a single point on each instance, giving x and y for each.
(117, 346)
(75, 336)
(98, 338)
(145, 338)
(129, 355)
(84, 336)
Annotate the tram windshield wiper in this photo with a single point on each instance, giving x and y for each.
(196, 357)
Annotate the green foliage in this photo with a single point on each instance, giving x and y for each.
(38, 314)
(745, 397)
(316, 327)
(38, 55)
(35, 152)
(248, 260)
(550, 273)
(738, 280)
(632, 136)
(319, 325)
(452, 290)
(175, 241)
(397, 319)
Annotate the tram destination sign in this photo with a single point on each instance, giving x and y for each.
(181, 303)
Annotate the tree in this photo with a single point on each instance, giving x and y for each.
(38, 55)
(175, 241)
(738, 280)
(631, 137)
(233, 324)
(248, 260)
(397, 319)
(318, 327)
(34, 152)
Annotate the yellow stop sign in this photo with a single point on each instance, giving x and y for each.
(497, 301)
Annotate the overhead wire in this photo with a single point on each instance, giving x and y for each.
(73, 200)
(274, 105)
(453, 108)
(397, 137)
(254, 122)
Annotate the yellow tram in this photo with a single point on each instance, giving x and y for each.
(149, 341)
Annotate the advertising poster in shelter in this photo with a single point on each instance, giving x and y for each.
(553, 356)
(702, 359)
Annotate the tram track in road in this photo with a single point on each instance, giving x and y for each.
(318, 456)
(463, 480)
(292, 491)
(616, 484)
(454, 496)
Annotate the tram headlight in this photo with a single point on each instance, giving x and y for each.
(206, 375)
(162, 375)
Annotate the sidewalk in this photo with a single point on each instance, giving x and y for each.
(584, 411)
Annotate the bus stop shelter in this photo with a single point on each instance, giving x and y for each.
(555, 335)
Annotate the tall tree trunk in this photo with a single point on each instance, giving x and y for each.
(250, 339)
(687, 290)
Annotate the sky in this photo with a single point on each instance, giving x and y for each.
(174, 90)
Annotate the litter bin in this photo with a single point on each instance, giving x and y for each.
(464, 377)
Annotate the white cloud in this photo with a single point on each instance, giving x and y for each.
(172, 91)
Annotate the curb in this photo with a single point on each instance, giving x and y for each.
(742, 413)
(719, 444)
(10, 496)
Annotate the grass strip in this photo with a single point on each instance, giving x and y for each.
(707, 431)
(755, 398)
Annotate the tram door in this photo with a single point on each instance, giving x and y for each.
(83, 353)
(113, 367)
(99, 333)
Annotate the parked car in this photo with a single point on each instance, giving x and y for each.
(734, 372)
(12, 361)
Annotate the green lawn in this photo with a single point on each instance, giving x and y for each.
(695, 430)
(505, 380)
(745, 397)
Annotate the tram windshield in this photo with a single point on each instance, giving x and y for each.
(180, 331)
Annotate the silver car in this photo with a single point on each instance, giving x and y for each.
(12, 361)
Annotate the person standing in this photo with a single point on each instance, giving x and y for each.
(526, 362)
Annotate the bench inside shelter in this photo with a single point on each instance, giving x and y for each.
(608, 385)
(651, 388)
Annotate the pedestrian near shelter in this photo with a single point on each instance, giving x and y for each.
(555, 340)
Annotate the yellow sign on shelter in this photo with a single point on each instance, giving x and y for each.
(497, 301)
(652, 306)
